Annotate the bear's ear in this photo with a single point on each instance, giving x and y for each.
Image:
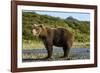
(42, 26)
(34, 25)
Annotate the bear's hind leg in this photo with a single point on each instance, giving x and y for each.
(66, 51)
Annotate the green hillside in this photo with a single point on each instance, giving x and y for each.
(80, 29)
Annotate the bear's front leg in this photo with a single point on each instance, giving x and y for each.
(49, 50)
(49, 46)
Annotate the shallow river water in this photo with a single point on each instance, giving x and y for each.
(75, 53)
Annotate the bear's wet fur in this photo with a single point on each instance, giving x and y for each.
(59, 37)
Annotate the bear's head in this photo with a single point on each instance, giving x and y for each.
(38, 30)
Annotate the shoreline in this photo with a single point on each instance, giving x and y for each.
(36, 45)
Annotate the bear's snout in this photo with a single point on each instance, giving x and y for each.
(35, 33)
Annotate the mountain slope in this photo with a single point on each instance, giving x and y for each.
(80, 29)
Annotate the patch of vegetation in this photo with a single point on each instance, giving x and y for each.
(80, 29)
(39, 44)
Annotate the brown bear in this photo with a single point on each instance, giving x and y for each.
(59, 37)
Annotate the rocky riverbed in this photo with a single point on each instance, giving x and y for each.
(40, 54)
